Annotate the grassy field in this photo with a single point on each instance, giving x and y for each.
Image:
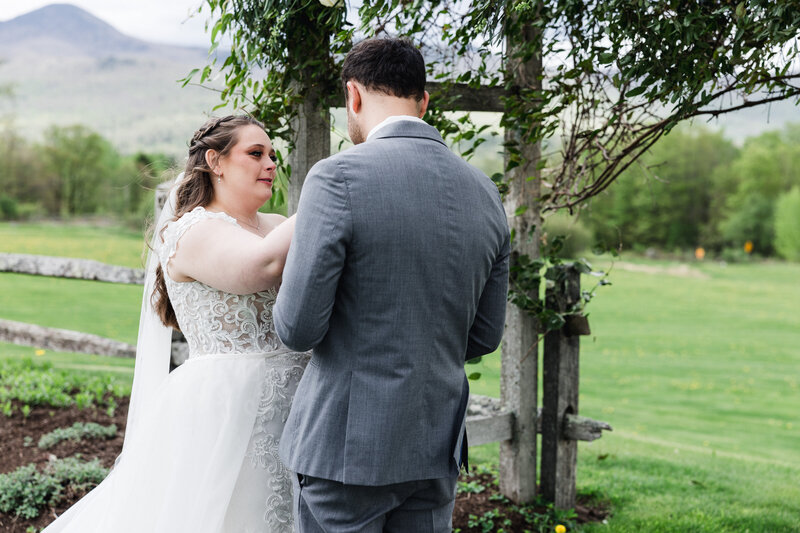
(696, 368)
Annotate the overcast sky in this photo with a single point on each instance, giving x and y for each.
(162, 21)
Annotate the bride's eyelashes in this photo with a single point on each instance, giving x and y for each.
(258, 154)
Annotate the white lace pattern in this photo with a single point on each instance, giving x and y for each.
(213, 321)
(216, 322)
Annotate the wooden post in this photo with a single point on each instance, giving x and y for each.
(312, 130)
(162, 193)
(560, 398)
(311, 124)
(520, 341)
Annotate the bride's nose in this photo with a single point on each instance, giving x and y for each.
(270, 165)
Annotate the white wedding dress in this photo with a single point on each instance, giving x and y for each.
(204, 454)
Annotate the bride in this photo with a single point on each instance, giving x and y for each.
(201, 443)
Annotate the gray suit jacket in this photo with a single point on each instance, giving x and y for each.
(397, 273)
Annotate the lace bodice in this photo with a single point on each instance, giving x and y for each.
(214, 321)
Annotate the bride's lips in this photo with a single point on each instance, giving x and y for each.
(266, 180)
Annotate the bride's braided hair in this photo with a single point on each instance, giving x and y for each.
(197, 189)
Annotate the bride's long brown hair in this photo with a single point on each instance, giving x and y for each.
(196, 189)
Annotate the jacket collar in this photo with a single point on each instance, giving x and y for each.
(408, 128)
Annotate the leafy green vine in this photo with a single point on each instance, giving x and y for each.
(613, 76)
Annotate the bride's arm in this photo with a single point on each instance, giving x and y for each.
(231, 259)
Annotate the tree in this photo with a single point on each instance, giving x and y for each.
(670, 199)
(787, 224)
(22, 179)
(78, 161)
(768, 166)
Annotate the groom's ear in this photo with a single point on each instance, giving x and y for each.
(422, 105)
(353, 96)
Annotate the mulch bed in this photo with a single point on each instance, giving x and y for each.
(477, 504)
(42, 420)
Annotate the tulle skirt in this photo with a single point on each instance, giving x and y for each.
(204, 459)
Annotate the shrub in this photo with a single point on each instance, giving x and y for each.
(787, 225)
(26, 491)
(8, 208)
(39, 384)
(78, 431)
(576, 237)
(734, 255)
(77, 474)
(30, 210)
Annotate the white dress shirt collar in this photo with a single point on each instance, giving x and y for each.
(391, 120)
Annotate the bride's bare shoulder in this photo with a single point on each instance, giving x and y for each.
(272, 220)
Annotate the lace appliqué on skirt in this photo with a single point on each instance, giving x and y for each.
(279, 386)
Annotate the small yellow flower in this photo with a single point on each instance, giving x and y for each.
(39, 352)
(561, 529)
(748, 247)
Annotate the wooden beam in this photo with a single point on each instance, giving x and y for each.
(67, 267)
(456, 97)
(492, 428)
(462, 97)
(581, 428)
(488, 421)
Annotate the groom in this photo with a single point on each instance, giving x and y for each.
(397, 274)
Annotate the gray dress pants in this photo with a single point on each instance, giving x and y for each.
(325, 506)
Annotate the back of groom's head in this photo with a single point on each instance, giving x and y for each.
(391, 66)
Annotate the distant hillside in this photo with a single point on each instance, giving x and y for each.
(66, 66)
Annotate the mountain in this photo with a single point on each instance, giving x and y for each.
(66, 66)
(66, 30)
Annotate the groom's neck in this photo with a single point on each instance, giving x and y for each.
(378, 107)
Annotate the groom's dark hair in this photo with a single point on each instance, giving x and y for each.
(391, 66)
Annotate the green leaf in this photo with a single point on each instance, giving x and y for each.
(636, 91)
(474, 376)
(189, 77)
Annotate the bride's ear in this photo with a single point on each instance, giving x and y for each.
(212, 158)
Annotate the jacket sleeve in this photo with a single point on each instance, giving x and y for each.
(487, 328)
(316, 258)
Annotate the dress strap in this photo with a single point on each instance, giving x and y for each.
(175, 230)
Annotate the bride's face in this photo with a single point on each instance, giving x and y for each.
(248, 169)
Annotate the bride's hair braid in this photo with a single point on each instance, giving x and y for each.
(196, 189)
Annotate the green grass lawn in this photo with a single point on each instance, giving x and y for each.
(107, 309)
(696, 371)
(108, 244)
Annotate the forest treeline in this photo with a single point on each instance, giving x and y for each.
(694, 189)
(74, 171)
